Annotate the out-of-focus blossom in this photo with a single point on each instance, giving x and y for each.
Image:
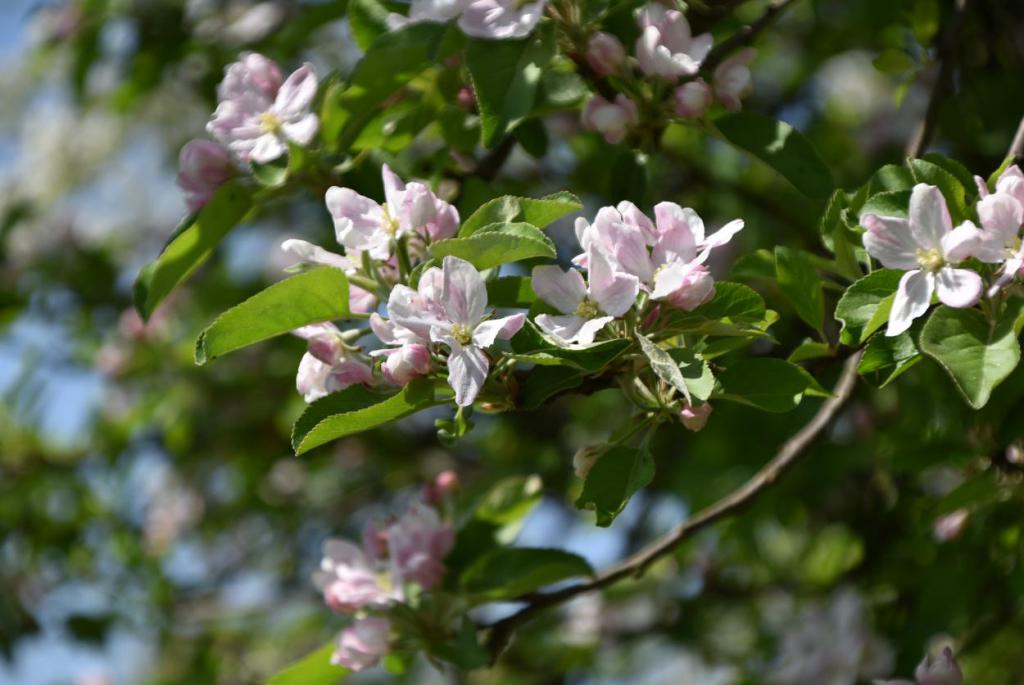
(349, 580)
(203, 166)
(942, 670)
(613, 120)
(363, 225)
(434, 11)
(695, 417)
(327, 367)
(418, 543)
(402, 364)
(258, 115)
(925, 246)
(666, 47)
(363, 644)
(950, 526)
(605, 53)
(732, 81)
(693, 99)
(586, 307)
(444, 486)
(501, 19)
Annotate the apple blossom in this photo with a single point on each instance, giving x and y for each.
(693, 99)
(586, 307)
(444, 486)
(258, 115)
(363, 225)
(307, 253)
(349, 580)
(363, 644)
(418, 543)
(501, 19)
(327, 367)
(434, 11)
(694, 418)
(605, 53)
(925, 246)
(613, 120)
(943, 670)
(1001, 216)
(203, 167)
(666, 47)
(402, 364)
(732, 81)
(1010, 182)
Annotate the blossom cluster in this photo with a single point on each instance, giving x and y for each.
(259, 112)
(490, 19)
(669, 53)
(934, 254)
(392, 564)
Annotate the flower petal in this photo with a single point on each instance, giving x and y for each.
(302, 130)
(888, 239)
(720, 237)
(563, 330)
(913, 297)
(563, 290)
(958, 287)
(463, 294)
(962, 242)
(614, 292)
(467, 372)
(488, 331)
(297, 93)
(1001, 214)
(309, 253)
(929, 216)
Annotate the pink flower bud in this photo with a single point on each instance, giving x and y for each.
(692, 99)
(695, 417)
(363, 644)
(444, 486)
(732, 80)
(950, 526)
(605, 53)
(406, 363)
(941, 671)
(584, 460)
(611, 119)
(465, 98)
(204, 166)
(252, 74)
(685, 286)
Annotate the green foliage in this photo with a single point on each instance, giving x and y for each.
(497, 244)
(886, 358)
(865, 305)
(509, 572)
(539, 212)
(313, 296)
(801, 284)
(613, 479)
(313, 669)
(773, 385)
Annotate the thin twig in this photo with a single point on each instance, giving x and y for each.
(635, 565)
(744, 36)
(1017, 146)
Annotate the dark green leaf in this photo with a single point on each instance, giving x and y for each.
(954, 192)
(539, 212)
(314, 669)
(801, 285)
(766, 383)
(865, 305)
(663, 365)
(886, 358)
(497, 244)
(613, 479)
(888, 203)
(511, 291)
(509, 572)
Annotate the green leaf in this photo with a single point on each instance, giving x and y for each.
(368, 19)
(497, 244)
(886, 358)
(320, 294)
(511, 291)
(955, 168)
(809, 349)
(835, 551)
(533, 137)
(696, 372)
(954, 192)
(313, 669)
(508, 209)
(663, 365)
(782, 147)
(191, 245)
(800, 283)
(889, 178)
(976, 354)
(865, 305)
(889, 203)
(357, 409)
(509, 572)
(505, 76)
(770, 384)
(545, 381)
(509, 500)
(733, 302)
(613, 479)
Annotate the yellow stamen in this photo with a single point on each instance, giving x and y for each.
(930, 260)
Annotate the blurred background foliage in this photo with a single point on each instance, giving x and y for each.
(157, 529)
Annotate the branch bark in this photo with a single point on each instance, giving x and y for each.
(636, 564)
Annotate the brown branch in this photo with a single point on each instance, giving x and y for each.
(635, 565)
(1017, 146)
(946, 46)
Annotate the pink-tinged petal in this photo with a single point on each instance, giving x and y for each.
(685, 286)
(700, 47)
(402, 365)
(297, 93)
(680, 230)
(252, 74)
(563, 290)
(363, 644)
(613, 292)
(361, 301)
(982, 186)
(958, 287)
(500, 19)
(464, 294)
(605, 53)
(308, 253)
(888, 239)
(943, 670)
(348, 372)
(590, 328)
(1011, 269)
(1012, 184)
(929, 216)
(386, 331)
(203, 167)
(311, 378)
(692, 99)
(302, 130)
(497, 329)
(324, 341)
(963, 242)
(407, 309)
(913, 297)
(623, 243)
(268, 147)
(562, 330)
(1001, 214)
(394, 189)
(583, 231)
(632, 216)
(721, 236)
(358, 222)
(467, 372)
(694, 418)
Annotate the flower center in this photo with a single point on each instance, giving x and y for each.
(930, 260)
(587, 309)
(390, 224)
(270, 123)
(462, 333)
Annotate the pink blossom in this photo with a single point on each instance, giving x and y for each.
(404, 363)
(693, 99)
(307, 253)
(203, 167)
(586, 307)
(348, 580)
(1001, 214)
(418, 543)
(444, 486)
(950, 526)
(327, 367)
(666, 47)
(925, 246)
(943, 670)
(433, 11)
(501, 19)
(363, 644)
(693, 417)
(258, 114)
(605, 53)
(613, 120)
(363, 225)
(732, 81)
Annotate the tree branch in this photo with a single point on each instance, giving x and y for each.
(635, 565)
(1017, 146)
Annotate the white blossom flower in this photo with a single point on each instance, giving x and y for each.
(363, 644)
(666, 47)
(732, 81)
(501, 19)
(1001, 214)
(350, 581)
(327, 367)
(203, 167)
(613, 120)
